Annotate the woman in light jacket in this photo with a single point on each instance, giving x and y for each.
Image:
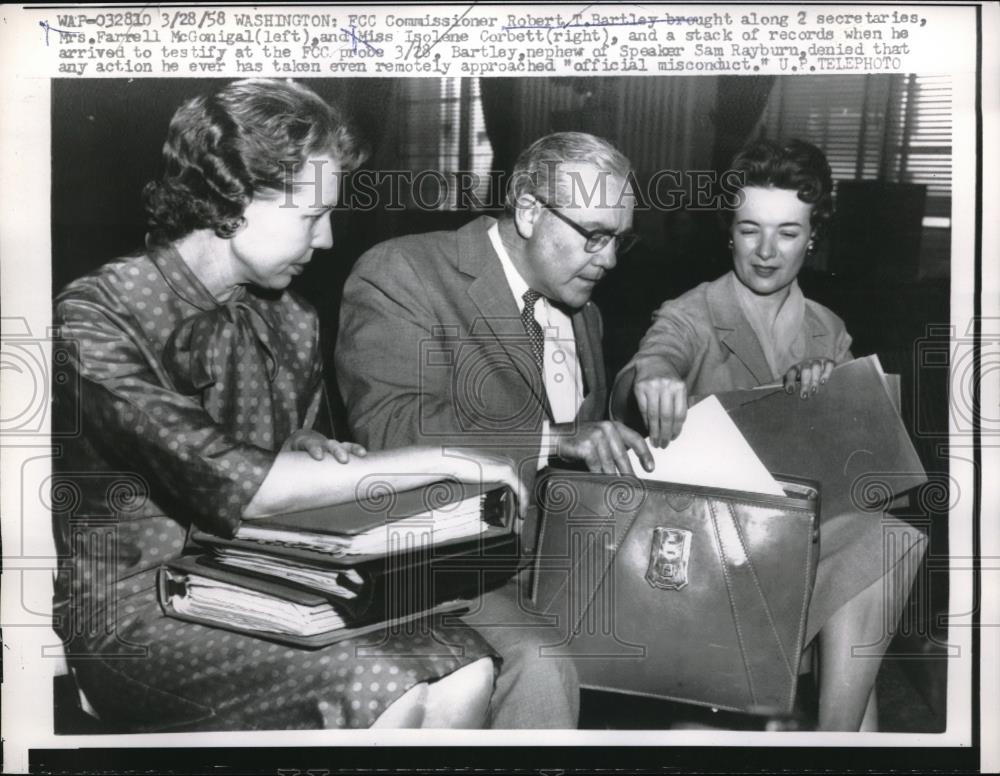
(751, 327)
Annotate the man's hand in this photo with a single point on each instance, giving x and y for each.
(662, 398)
(318, 445)
(602, 445)
(810, 374)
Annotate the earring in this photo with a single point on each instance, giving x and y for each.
(227, 229)
(732, 245)
(811, 247)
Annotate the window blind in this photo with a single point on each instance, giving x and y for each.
(873, 127)
(922, 139)
(445, 132)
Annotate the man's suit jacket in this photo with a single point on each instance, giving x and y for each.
(431, 349)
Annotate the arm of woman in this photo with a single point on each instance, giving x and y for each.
(297, 481)
(205, 473)
(665, 356)
(139, 422)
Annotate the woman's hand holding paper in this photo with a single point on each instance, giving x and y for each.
(662, 398)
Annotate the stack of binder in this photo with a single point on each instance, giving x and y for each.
(318, 576)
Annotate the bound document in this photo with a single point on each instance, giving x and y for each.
(318, 572)
(360, 529)
(192, 589)
(438, 518)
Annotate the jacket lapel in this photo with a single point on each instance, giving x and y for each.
(491, 294)
(819, 339)
(734, 330)
(586, 347)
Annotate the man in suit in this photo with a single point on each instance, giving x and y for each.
(486, 337)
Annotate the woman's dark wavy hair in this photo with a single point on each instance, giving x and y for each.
(795, 165)
(250, 136)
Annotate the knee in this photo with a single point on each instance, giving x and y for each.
(459, 700)
(534, 659)
(537, 687)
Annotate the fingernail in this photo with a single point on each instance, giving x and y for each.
(804, 394)
(789, 389)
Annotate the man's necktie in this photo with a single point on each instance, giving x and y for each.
(535, 334)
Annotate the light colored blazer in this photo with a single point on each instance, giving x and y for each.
(707, 339)
(431, 349)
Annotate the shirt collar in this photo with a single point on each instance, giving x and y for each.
(182, 279)
(516, 283)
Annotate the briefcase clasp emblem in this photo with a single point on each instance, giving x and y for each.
(669, 553)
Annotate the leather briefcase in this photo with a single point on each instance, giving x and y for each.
(679, 592)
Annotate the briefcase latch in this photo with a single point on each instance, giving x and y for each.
(669, 552)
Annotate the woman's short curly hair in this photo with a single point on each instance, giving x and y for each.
(247, 137)
(795, 165)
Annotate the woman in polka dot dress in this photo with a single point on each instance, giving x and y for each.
(195, 378)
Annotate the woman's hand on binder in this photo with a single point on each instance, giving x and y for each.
(810, 375)
(317, 445)
(662, 398)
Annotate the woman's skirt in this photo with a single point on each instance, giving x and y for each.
(147, 672)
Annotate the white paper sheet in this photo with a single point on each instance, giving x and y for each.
(238, 606)
(709, 451)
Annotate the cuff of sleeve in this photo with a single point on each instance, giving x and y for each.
(547, 449)
(245, 474)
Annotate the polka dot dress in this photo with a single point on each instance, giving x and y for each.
(183, 404)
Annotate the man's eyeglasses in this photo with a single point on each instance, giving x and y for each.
(597, 239)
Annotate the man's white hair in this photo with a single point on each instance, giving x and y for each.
(537, 169)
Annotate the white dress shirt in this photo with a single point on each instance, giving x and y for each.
(561, 367)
